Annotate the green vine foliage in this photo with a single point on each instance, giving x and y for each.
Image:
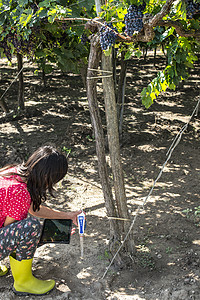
(37, 29)
(181, 52)
(181, 57)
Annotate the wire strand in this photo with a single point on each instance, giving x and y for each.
(16, 77)
(141, 206)
(11, 83)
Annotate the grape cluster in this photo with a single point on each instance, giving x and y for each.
(133, 19)
(84, 39)
(13, 41)
(23, 46)
(34, 7)
(108, 35)
(6, 49)
(192, 9)
(17, 43)
(64, 26)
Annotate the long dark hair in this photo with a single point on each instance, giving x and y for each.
(44, 168)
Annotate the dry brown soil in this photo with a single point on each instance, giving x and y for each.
(166, 232)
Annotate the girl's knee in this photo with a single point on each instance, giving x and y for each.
(33, 225)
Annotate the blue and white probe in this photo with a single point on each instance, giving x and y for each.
(81, 226)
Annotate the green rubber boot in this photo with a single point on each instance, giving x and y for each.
(24, 281)
(3, 270)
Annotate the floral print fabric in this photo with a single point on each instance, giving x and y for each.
(22, 237)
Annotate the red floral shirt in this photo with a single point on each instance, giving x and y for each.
(15, 199)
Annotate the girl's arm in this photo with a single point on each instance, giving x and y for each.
(49, 213)
(9, 221)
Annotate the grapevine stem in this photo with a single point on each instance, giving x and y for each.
(95, 21)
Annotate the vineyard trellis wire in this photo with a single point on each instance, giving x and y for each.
(11, 83)
(175, 142)
(16, 77)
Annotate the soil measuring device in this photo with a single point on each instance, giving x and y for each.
(81, 227)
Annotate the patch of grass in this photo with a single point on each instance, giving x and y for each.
(66, 150)
(193, 214)
(144, 258)
(105, 256)
(169, 250)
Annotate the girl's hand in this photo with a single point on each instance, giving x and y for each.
(73, 216)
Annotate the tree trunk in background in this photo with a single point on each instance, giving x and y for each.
(94, 58)
(4, 106)
(21, 82)
(114, 149)
(44, 78)
(155, 52)
(83, 72)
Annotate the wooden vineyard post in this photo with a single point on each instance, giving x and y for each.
(110, 102)
(94, 58)
(114, 148)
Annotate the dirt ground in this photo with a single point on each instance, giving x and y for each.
(166, 232)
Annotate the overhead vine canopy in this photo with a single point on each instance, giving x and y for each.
(173, 24)
(30, 28)
(59, 31)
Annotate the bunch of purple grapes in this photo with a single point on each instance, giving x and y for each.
(29, 46)
(108, 35)
(20, 45)
(84, 39)
(133, 19)
(192, 9)
(23, 46)
(17, 43)
(6, 49)
(34, 7)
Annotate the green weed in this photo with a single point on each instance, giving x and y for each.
(105, 256)
(169, 250)
(66, 150)
(145, 258)
(193, 214)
